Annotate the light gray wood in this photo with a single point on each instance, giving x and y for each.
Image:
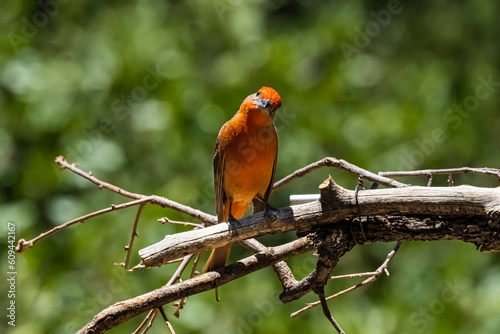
(335, 204)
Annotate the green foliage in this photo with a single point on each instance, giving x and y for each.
(136, 91)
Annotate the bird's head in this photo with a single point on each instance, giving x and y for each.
(267, 99)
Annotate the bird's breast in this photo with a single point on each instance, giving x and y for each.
(249, 161)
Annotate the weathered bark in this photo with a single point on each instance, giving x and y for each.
(333, 225)
(127, 309)
(463, 203)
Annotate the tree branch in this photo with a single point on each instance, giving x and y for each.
(321, 294)
(462, 213)
(341, 164)
(373, 277)
(337, 204)
(445, 171)
(125, 310)
(23, 245)
(282, 269)
(334, 224)
(156, 200)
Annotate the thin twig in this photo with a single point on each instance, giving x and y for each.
(175, 277)
(195, 264)
(176, 260)
(101, 184)
(429, 180)
(128, 248)
(156, 200)
(320, 291)
(140, 199)
(374, 275)
(429, 172)
(169, 325)
(183, 301)
(371, 273)
(341, 164)
(167, 220)
(23, 244)
(147, 322)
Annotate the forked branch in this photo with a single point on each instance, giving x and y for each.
(333, 225)
(337, 204)
(468, 217)
(127, 309)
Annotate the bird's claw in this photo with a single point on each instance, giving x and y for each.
(233, 221)
(271, 213)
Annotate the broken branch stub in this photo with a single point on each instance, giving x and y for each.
(337, 203)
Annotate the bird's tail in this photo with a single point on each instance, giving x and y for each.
(218, 258)
(219, 255)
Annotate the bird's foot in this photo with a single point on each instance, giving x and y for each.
(271, 213)
(233, 221)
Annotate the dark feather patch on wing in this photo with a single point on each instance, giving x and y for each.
(220, 194)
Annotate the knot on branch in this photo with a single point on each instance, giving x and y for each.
(331, 244)
(494, 221)
(493, 245)
(332, 195)
(332, 240)
(20, 245)
(490, 241)
(327, 239)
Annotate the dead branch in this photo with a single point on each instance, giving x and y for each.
(284, 273)
(156, 200)
(341, 164)
(128, 248)
(373, 277)
(23, 245)
(333, 225)
(465, 213)
(125, 310)
(326, 311)
(336, 204)
(445, 171)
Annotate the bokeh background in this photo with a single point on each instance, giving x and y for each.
(136, 91)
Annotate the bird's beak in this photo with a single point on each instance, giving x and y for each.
(264, 103)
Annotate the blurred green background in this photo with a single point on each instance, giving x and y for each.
(136, 91)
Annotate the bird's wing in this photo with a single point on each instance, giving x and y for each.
(220, 194)
(260, 203)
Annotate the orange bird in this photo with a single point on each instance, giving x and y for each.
(245, 160)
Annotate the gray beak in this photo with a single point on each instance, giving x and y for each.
(264, 103)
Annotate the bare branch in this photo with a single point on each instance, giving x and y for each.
(156, 200)
(341, 164)
(373, 277)
(167, 220)
(140, 199)
(334, 224)
(127, 309)
(101, 184)
(448, 171)
(321, 294)
(128, 248)
(147, 322)
(169, 325)
(337, 204)
(23, 244)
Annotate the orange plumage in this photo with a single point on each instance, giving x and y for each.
(245, 159)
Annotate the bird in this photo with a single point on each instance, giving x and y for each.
(245, 158)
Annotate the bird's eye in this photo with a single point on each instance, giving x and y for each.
(257, 94)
